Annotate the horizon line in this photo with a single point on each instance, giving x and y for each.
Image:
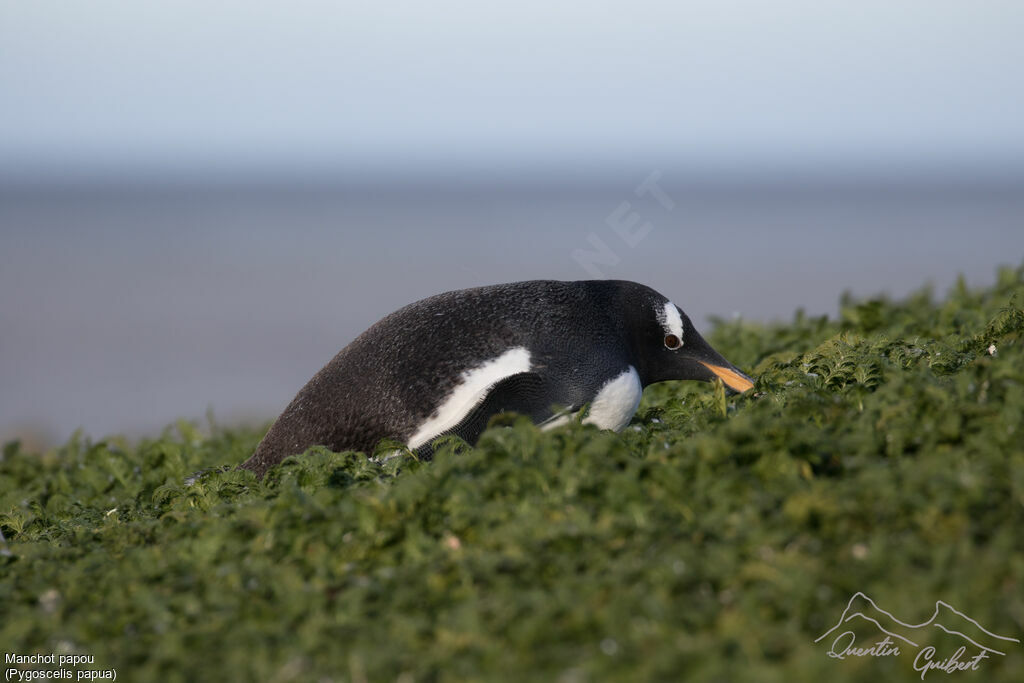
(524, 176)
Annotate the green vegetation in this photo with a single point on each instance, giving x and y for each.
(714, 539)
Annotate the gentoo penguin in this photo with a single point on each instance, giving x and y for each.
(446, 364)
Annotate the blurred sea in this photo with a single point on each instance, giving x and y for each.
(124, 308)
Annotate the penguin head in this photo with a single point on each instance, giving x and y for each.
(667, 346)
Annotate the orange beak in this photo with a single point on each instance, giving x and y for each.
(736, 381)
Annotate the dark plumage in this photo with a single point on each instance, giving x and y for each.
(558, 345)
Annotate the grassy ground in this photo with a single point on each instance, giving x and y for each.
(714, 539)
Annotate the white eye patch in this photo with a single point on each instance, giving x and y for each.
(670, 320)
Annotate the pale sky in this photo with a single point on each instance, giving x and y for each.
(119, 85)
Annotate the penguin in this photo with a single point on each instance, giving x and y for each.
(448, 363)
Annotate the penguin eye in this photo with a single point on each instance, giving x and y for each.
(672, 342)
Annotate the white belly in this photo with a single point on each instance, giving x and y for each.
(616, 401)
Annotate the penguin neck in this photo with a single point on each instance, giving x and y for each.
(637, 351)
(643, 369)
(629, 308)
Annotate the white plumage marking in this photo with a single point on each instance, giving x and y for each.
(557, 420)
(473, 386)
(670, 319)
(616, 401)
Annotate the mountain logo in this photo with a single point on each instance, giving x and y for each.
(862, 614)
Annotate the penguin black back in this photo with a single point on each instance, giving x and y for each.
(447, 363)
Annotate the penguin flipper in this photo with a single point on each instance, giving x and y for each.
(526, 393)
